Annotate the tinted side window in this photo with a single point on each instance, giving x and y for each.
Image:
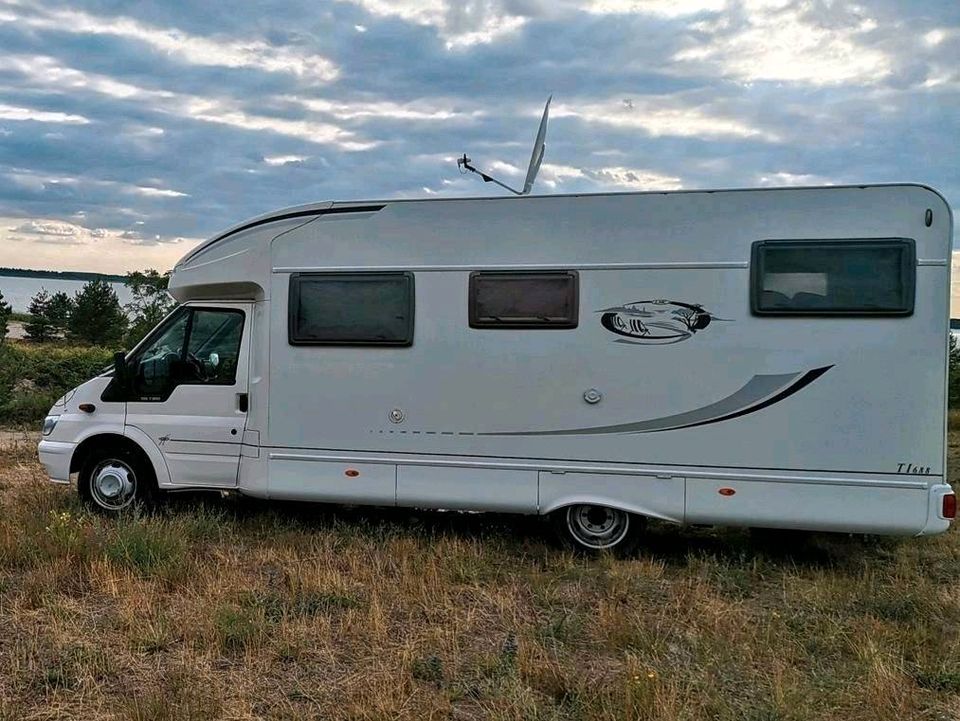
(523, 299)
(833, 277)
(351, 309)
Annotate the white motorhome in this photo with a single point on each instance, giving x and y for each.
(765, 358)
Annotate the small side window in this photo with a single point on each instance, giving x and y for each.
(508, 299)
(833, 277)
(351, 309)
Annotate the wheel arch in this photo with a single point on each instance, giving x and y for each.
(590, 499)
(118, 441)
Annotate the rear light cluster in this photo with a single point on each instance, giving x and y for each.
(949, 506)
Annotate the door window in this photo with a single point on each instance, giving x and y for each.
(214, 346)
(195, 347)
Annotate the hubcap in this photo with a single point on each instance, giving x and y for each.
(113, 485)
(597, 527)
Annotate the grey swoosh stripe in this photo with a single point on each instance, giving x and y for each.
(754, 391)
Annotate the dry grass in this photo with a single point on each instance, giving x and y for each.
(214, 609)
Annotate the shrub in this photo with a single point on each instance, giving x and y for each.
(33, 377)
(5, 312)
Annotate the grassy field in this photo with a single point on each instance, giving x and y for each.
(216, 609)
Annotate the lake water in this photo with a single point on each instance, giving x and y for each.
(18, 291)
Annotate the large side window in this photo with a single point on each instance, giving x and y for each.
(833, 277)
(515, 299)
(193, 347)
(351, 309)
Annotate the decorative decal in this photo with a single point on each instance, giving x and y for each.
(758, 393)
(656, 322)
(761, 391)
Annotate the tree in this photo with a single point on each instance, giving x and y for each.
(58, 312)
(5, 311)
(150, 303)
(97, 317)
(39, 328)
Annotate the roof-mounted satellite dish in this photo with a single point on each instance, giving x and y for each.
(535, 159)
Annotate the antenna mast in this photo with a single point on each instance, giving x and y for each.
(536, 157)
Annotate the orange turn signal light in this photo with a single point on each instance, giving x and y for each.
(726, 491)
(351, 473)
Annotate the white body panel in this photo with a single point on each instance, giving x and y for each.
(812, 422)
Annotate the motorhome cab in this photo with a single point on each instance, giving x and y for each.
(767, 358)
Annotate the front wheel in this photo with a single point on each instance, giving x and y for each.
(594, 529)
(112, 481)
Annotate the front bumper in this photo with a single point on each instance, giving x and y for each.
(55, 457)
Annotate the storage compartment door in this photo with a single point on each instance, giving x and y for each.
(470, 489)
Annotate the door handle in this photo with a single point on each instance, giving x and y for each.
(243, 402)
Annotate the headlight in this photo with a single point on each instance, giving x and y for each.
(49, 423)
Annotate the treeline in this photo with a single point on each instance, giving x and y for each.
(59, 274)
(94, 315)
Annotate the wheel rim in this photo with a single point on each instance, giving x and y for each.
(113, 484)
(597, 527)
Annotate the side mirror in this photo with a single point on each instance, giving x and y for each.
(118, 388)
(120, 365)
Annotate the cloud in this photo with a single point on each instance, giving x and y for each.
(12, 112)
(784, 178)
(57, 232)
(158, 192)
(276, 160)
(635, 178)
(185, 47)
(793, 42)
(666, 8)
(662, 115)
(437, 109)
(44, 71)
(466, 23)
(460, 24)
(43, 243)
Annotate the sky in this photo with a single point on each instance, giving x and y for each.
(130, 131)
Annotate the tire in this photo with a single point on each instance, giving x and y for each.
(598, 529)
(113, 480)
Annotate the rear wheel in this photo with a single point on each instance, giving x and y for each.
(594, 529)
(112, 480)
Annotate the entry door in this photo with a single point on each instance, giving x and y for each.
(188, 391)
